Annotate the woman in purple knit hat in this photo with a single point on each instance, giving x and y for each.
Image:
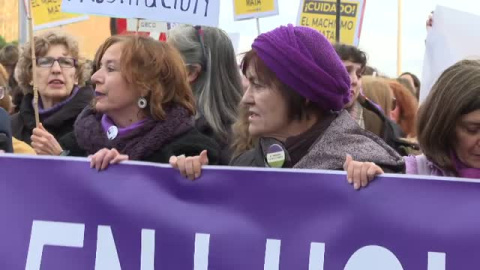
(298, 88)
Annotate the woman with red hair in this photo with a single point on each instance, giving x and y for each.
(404, 109)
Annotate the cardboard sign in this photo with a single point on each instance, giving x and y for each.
(321, 15)
(249, 9)
(47, 14)
(147, 26)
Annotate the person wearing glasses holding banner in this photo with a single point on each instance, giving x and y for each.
(143, 107)
(60, 77)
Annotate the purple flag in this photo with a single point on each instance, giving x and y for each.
(60, 214)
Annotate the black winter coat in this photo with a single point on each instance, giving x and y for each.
(191, 143)
(58, 124)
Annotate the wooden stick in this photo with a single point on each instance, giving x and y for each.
(34, 63)
(338, 21)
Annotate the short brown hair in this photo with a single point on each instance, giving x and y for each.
(455, 93)
(298, 106)
(43, 43)
(156, 69)
(9, 57)
(351, 53)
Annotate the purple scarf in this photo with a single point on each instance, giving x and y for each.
(107, 123)
(462, 169)
(47, 112)
(138, 143)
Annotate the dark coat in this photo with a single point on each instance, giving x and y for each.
(58, 124)
(154, 141)
(379, 124)
(225, 150)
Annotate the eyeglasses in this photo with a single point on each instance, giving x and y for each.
(3, 91)
(64, 62)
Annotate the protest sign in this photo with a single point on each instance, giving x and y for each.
(60, 214)
(156, 30)
(321, 15)
(249, 9)
(450, 40)
(47, 14)
(147, 26)
(198, 12)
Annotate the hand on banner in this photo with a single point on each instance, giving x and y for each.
(105, 157)
(360, 173)
(44, 143)
(190, 167)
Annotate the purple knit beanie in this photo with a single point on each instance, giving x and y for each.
(304, 59)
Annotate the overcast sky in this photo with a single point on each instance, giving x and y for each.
(379, 33)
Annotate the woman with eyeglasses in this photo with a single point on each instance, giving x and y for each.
(143, 107)
(213, 74)
(60, 79)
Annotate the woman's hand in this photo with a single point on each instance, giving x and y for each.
(190, 167)
(360, 173)
(105, 157)
(44, 143)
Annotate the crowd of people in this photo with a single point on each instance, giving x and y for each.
(294, 101)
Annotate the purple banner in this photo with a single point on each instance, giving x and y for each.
(60, 214)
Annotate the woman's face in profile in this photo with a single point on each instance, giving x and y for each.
(467, 132)
(267, 108)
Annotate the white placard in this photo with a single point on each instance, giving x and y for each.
(146, 26)
(235, 38)
(197, 12)
(452, 38)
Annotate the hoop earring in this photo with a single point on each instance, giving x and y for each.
(142, 103)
